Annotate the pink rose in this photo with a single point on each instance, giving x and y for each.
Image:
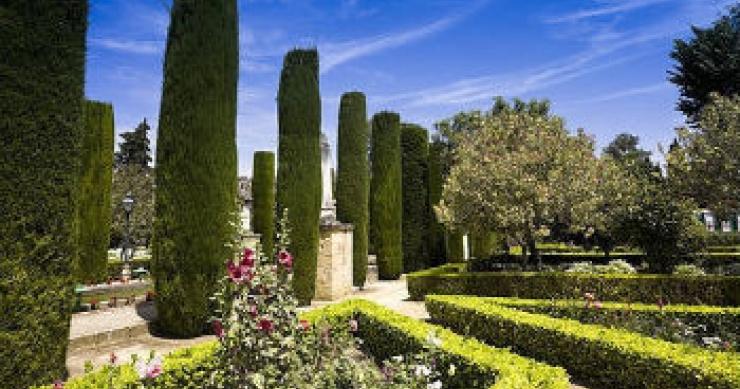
(266, 325)
(58, 384)
(252, 310)
(247, 258)
(285, 259)
(305, 325)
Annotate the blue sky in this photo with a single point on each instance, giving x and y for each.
(602, 63)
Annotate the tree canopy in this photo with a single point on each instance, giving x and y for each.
(135, 150)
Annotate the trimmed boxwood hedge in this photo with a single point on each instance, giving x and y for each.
(384, 334)
(648, 288)
(714, 319)
(42, 76)
(196, 163)
(597, 356)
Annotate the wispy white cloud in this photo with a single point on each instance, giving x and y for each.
(129, 46)
(629, 92)
(610, 8)
(335, 54)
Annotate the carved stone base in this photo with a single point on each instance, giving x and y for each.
(334, 268)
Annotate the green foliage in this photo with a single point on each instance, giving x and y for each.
(705, 163)
(708, 62)
(353, 178)
(624, 150)
(299, 163)
(41, 99)
(452, 279)
(622, 357)
(196, 163)
(94, 201)
(134, 150)
(414, 160)
(483, 244)
(139, 182)
(617, 266)
(386, 210)
(436, 249)
(263, 196)
(723, 239)
(688, 270)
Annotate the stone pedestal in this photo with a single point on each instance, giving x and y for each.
(334, 268)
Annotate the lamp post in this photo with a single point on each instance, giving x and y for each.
(127, 249)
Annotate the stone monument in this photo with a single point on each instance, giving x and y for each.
(334, 267)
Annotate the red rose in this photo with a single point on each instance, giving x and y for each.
(218, 328)
(266, 325)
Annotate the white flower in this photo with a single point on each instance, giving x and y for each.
(435, 385)
(451, 370)
(397, 358)
(434, 340)
(422, 370)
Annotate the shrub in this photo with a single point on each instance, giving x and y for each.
(353, 178)
(691, 324)
(414, 159)
(263, 197)
(95, 182)
(723, 239)
(196, 163)
(688, 270)
(41, 93)
(436, 238)
(618, 266)
(385, 195)
(299, 163)
(598, 356)
(452, 279)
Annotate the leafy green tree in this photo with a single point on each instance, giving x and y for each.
(94, 206)
(518, 173)
(353, 178)
(414, 160)
(624, 150)
(704, 163)
(299, 163)
(135, 150)
(263, 197)
(385, 195)
(708, 62)
(196, 185)
(42, 75)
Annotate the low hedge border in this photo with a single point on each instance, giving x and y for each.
(600, 357)
(715, 319)
(384, 334)
(452, 279)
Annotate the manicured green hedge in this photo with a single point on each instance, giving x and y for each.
(714, 320)
(96, 179)
(414, 159)
(263, 197)
(196, 163)
(384, 334)
(299, 163)
(648, 288)
(386, 211)
(597, 356)
(723, 239)
(353, 178)
(42, 69)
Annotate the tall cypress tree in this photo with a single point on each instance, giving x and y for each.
(385, 194)
(436, 238)
(299, 163)
(42, 66)
(196, 162)
(263, 197)
(95, 182)
(414, 162)
(353, 178)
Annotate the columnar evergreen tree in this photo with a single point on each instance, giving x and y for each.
(42, 62)
(436, 237)
(385, 194)
(263, 199)
(196, 162)
(455, 246)
(353, 178)
(95, 181)
(299, 163)
(414, 163)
